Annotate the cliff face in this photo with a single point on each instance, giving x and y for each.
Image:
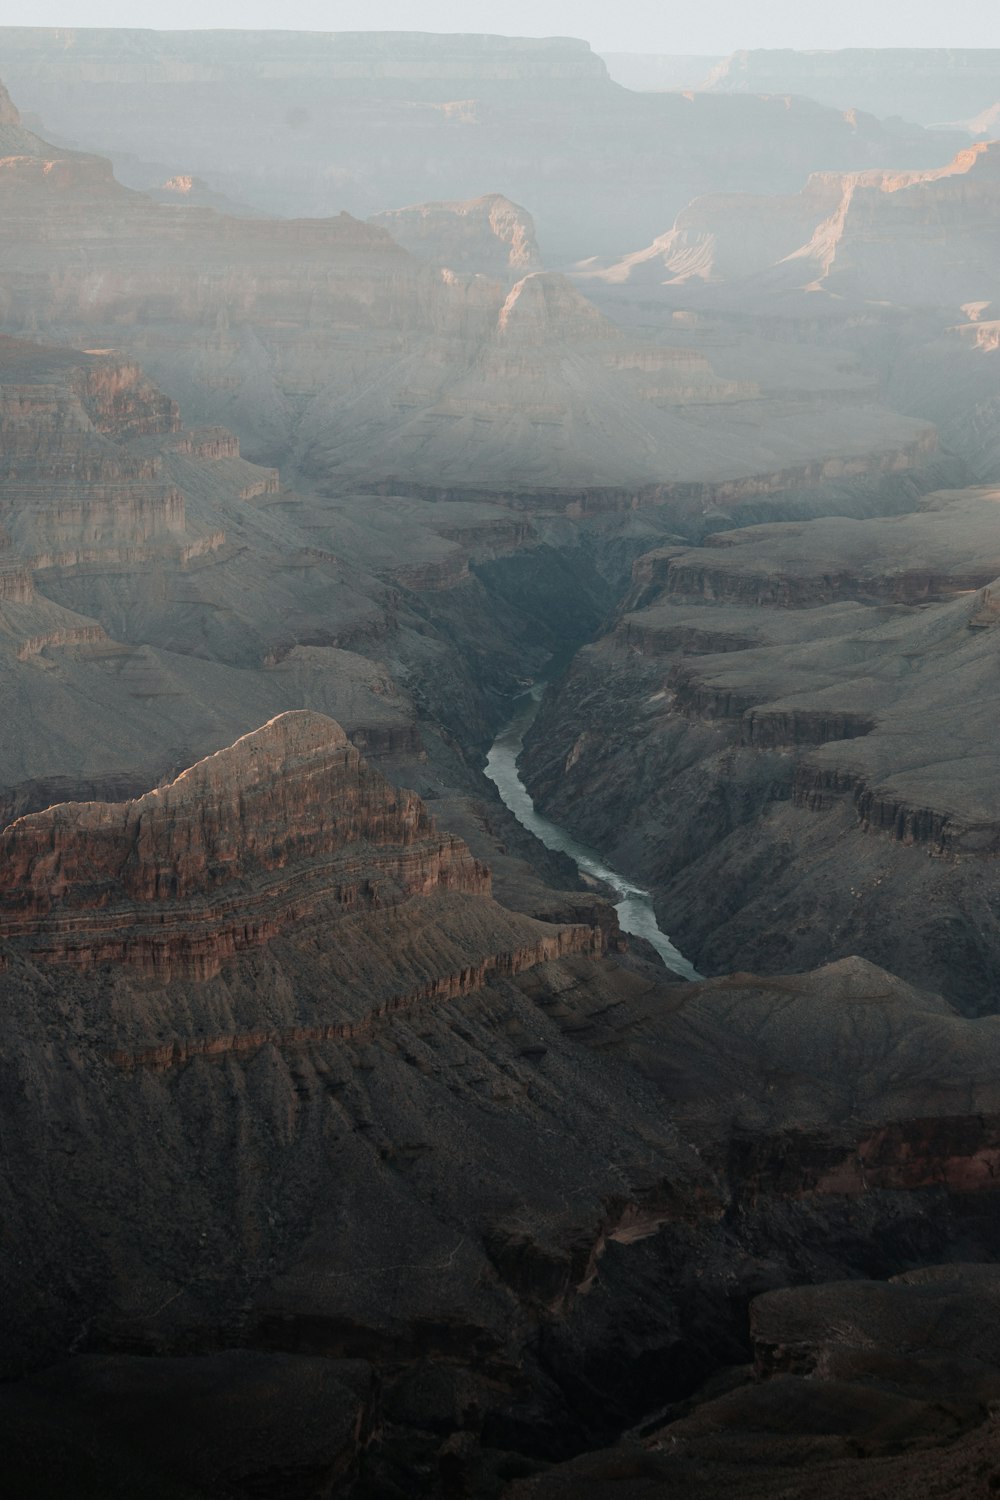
(153, 579)
(420, 118)
(125, 564)
(329, 347)
(252, 1159)
(224, 857)
(928, 238)
(8, 111)
(844, 1391)
(98, 55)
(87, 447)
(951, 545)
(722, 237)
(897, 237)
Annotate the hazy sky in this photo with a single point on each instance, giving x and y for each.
(713, 26)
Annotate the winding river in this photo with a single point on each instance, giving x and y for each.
(634, 906)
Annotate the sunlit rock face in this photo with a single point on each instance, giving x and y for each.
(925, 238)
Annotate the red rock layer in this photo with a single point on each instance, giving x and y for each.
(286, 821)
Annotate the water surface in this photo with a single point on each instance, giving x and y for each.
(634, 906)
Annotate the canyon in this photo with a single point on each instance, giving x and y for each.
(801, 699)
(253, 113)
(391, 1061)
(345, 1131)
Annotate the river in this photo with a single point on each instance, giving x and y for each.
(634, 906)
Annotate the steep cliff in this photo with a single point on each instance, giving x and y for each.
(451, 1199)
(224, 857)
(928, 238)
(925, 237)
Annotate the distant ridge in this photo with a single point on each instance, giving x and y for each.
(928, 85)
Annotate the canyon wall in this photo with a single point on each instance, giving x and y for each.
(800, 758)
(275, 124)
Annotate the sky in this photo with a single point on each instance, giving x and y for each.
(677, 26)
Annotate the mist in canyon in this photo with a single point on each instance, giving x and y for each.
(499, 749)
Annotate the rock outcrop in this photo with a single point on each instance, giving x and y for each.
(923, 238)
(806, 708)
(846, 1379)
(288, 820)
(356, 1165)
(724, 237)
(403, 1200)
(363, 122)
(913, 238)
(488, 235)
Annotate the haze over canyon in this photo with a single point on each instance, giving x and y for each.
(500, 738)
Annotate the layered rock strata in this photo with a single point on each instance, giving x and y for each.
(322, 342)
(924, 238)
(539, 1154)
(255, 837)
(801, 759)
(291, 127)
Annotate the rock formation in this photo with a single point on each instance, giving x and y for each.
(536, 1136)
(454, 117)
(808, 707)
(362, 368)
(924, 238)
(723, 237)
(928, 238)
(154, 579)
(343, 1131)
(488, 235)
(845, 1378)
(184, 877)
(194, 192)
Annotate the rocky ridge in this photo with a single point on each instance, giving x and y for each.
(928, 84)
(391, 1182)
(874, 236)
(224, 857)
(561, 1135)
